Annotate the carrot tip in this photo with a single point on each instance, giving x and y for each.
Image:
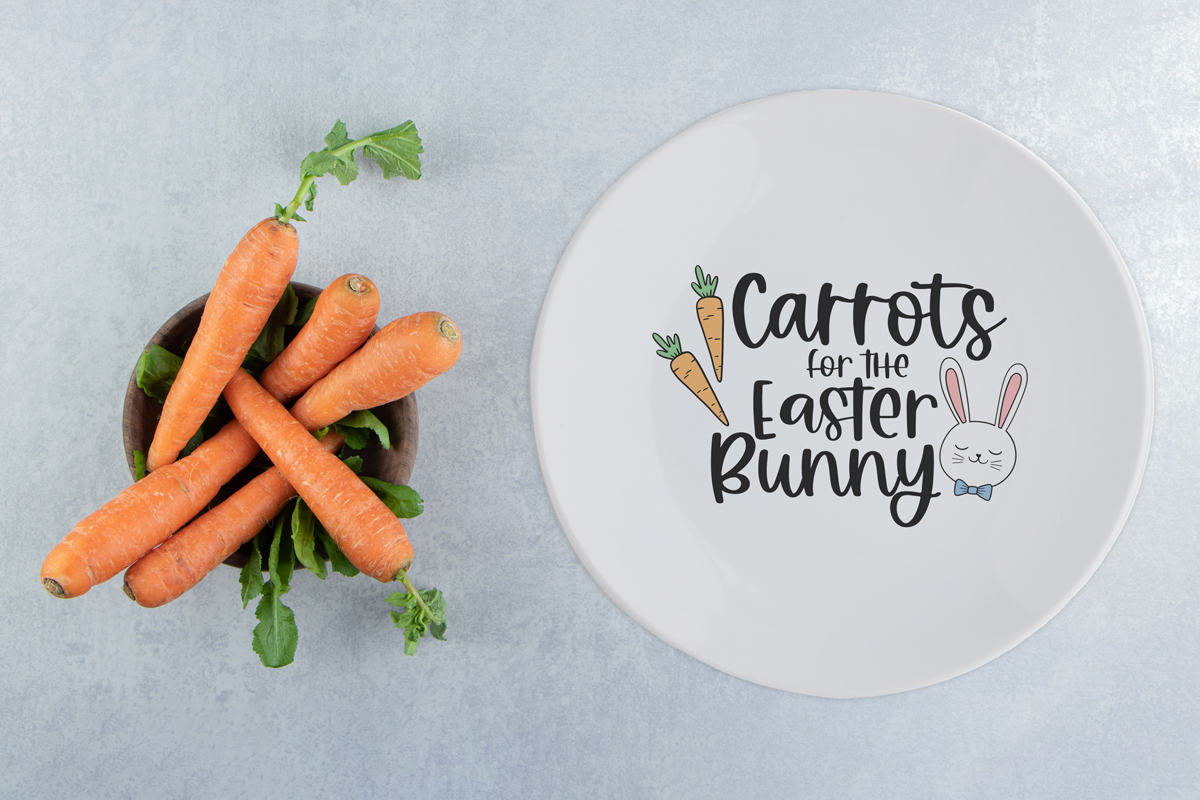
(128, 590)
(54, 587)
(448, 329)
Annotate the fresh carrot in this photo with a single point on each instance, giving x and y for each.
(341, 321)
(247, 290)
(342, 318)
(405, 355)
(365, 530)
(143, 515)
(690, 373)
(712, 317)
(182, 561)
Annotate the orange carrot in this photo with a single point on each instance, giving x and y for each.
(405, 355)
(165, 573)
(143, 515)
(249, 287)
(341, 321)
(712, 317)
(367, 532)
(690, 374)
(182, 561)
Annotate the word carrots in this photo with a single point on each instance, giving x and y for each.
(690, 374)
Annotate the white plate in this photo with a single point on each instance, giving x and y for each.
(843, 596)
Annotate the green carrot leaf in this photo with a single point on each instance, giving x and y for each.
(346, 169)
(156, 370)
(356, 438)
(304, 313)
(403, 501)
(705, 285)
(668, 349)
(337, 559)
(197, 439)
(356, 428)
(139, 465)
(304, 539)
(281, 558)
(251, 577)
(355, 463)
(269, 343)
(436, 604)
(397, 151)
(421, 612)
(275, 635)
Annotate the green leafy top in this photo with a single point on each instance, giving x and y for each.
(705, 285)
(670, 347)
(424, 612)
(397, 151)
(156, 370)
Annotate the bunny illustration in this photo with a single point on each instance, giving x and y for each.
(979, 455)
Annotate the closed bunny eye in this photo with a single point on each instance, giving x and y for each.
(993, 452)
(956, 447)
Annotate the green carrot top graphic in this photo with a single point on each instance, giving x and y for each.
(688, 370)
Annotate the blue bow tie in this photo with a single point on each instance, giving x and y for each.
(960, 487)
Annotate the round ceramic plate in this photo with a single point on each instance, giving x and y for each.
(842, 393)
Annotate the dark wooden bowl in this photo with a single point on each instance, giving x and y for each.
(141, 414)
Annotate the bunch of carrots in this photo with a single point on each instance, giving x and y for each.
(332, 372)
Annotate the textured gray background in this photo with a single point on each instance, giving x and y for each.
(138, 143)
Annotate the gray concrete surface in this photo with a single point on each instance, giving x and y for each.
(138, 141)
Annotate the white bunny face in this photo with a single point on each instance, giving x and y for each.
(980, 453)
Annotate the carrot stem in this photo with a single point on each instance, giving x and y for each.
(402, 576)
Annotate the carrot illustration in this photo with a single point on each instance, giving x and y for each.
(405, 355)
(712, 317)
(248, 288)
(341, 321)
(125, 528)
(688, 370)
(182, 561)
(365, 530)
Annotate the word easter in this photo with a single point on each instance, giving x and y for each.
(789, 313)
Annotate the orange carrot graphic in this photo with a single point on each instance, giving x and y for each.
(712, 316)
(688, 370)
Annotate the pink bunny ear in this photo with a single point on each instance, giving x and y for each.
(1011, 392)
(954, 388)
